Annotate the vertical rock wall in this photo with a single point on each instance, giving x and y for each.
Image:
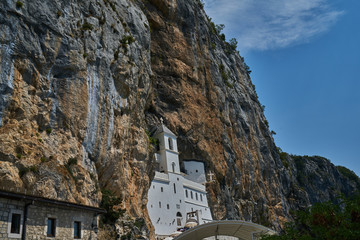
(204, 92)
(75, 79)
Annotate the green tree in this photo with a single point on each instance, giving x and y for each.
(219, 28)
(233, 44)
(110, 203)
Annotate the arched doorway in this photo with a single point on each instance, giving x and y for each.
(179, 218)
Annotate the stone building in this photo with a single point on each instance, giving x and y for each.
(174, 194)
(29, 217)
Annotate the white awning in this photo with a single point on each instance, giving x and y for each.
(240, 229)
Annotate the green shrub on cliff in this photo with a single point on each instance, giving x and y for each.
(110, 203)
(349, 174)
(87, 26)
(233, 44)
(19, 4)
(200, 3)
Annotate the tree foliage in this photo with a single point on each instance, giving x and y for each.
(325, 221)
(233, 44)
(110, 203)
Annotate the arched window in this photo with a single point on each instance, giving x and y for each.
(186, 193)
(191, 194)
(171, 146)
(157, 145)
(173, 167)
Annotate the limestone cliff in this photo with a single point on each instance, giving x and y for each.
(82, 81)
(75, 79)
(203, 89)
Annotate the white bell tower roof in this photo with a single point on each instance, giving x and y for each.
(163, 129)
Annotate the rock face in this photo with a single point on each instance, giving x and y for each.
(204, 92)
(82, 81)
(307, 180)
(75, 78)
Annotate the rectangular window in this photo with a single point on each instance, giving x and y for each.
(186, 193)
(15, 223)
(162, 189)
(174, 188)
(200, 197)
(167, 206)
(159, 204)
(77, 229)
(51, 227)
(196, 195)
(191, 194)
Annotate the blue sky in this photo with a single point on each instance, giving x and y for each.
(305, 62)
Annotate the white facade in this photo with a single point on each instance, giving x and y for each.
(173, 194)
(195, 171)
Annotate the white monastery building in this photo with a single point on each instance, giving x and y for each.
(174, 194)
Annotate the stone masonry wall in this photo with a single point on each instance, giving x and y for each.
(6, 205)
(37, 221)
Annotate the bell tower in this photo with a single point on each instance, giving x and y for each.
(168, 151)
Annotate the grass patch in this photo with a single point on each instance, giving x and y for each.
(229, 84)
(348, 173)
(153, 141)
(25, 170)
(71, 162)
(224, 74)
(139, 223)
(116, 54)
(87, 26)
(19, 4)
(127, 40)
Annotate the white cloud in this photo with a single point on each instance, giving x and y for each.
(270, 24)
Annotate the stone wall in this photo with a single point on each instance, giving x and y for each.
(6, 206)
(36, 227)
